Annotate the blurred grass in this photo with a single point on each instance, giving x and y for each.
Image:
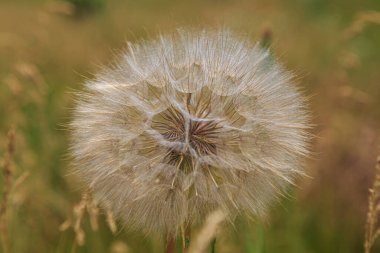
(46, 52)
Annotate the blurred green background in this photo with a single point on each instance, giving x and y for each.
(49, 48)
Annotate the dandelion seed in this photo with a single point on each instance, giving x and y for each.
(187, 124)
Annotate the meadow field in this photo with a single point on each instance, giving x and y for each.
(48, 49)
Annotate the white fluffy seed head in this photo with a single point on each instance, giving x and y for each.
(186, 124)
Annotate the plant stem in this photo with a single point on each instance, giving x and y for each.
(7, 185)
(187, 238)
(266, 38)
(74, 247)
(170, 245)
(213, 243)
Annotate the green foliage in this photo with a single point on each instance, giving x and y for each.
(87, 6)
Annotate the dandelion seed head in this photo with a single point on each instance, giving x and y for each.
(187, 124)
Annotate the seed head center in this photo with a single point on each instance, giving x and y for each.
(196, 136)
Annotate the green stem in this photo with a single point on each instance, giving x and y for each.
(266, 38)
(213, 245)
(74, 247)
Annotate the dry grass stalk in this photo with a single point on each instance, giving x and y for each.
(119, 247)
(363, 19)
(111, 221)
(373, 224)
(21, 179)
(79, 210)
(208, 232)
(7, 185)
(93, 212)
